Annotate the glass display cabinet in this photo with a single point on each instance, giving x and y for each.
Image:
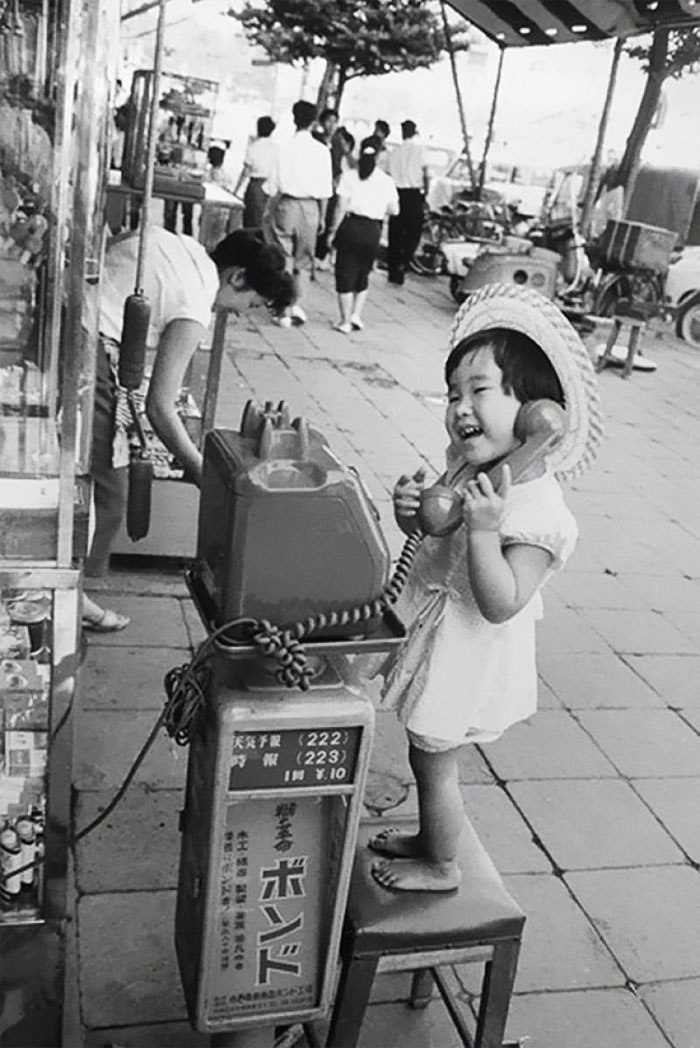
(57, 71)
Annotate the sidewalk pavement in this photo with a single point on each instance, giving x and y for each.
(589, 809)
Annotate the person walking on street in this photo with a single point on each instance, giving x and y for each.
(257, 166)
(408, 167)
(299, 186)
(365, 196)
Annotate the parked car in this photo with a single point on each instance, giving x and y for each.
(683, 276)
(520, 186)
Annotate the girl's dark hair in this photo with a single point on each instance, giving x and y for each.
(263, 264)
(266, 125)
(527, 371)
(369, 150)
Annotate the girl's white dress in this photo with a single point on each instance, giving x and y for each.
(459, 678)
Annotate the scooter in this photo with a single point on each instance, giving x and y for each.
(688, 319)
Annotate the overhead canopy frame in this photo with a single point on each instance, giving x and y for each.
(527, 23)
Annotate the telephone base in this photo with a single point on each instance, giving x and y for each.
(377, 634)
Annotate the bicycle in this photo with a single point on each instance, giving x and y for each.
(464, 220)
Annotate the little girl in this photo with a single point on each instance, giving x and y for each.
(467, 669)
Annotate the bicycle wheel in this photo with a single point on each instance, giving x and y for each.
(688, 321)
(428, 259)
(639, 287)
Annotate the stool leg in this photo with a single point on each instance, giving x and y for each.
(631, 350)
(609, 345)
(496, 992)
(421, 988)
(354, 988)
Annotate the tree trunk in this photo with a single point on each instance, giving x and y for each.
(629, 165)
(325, 86)
(340, 86)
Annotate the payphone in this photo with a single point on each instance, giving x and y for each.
(291, 576)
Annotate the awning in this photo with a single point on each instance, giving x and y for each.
(518, 23)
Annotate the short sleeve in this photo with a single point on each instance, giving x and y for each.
(538, 516)
(347, 182)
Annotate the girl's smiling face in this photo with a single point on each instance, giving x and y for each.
(480, 413)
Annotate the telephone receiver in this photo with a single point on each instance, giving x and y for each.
(539, 425)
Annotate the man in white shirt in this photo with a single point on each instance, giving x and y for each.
(408, 167)
(299, 187)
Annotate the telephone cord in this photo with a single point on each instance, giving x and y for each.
(186, 685)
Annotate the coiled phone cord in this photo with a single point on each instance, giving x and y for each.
(284, 643)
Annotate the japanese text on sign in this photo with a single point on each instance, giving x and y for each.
(317, 758)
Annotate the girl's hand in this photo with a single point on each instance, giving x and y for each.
(483, 506)
(407, 495)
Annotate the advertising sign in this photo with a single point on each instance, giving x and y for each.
(272, 907)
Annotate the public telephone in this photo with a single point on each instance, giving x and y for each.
(288, 534)
(275, 780)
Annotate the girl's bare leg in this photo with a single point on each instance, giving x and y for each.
(427, 861)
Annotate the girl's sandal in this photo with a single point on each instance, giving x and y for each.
(108, 622)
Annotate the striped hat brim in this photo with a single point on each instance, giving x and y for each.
(524, 310)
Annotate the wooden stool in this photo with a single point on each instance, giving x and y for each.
(420, 931)
(637, 313)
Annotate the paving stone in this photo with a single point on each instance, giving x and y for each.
(473, 764)
(127, 678)
(676, 593)
(502, 830)
(644, 743)
(550, 745)
(676, 1006)
(155, 622)
(561, 950)
(107, 743)
(567, 631)
(585, 589)
(137, 848)
(566, 816)
(595, 681)
(546, 698)
(196, 632)
(397, 1024)
(152, 1035)
(612, 1018)
(676, 678)
(136, 979)
(640, 632)
(650, 918)
(675, 803)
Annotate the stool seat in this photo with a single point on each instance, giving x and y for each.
(382, 921)
(423, 931)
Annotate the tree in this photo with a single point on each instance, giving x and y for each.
(355, 37)
(672, 53)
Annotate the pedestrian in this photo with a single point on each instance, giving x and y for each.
(182, 283)
(214, 221)
(342, 149)
(467, 669)
(408, 167)
(326, 126)
(365, 196)
(299, 186)
(257, 166)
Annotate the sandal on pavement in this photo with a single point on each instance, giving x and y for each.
(108, 622)
(356, 323)
(343, 327)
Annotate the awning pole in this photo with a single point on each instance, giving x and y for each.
(594, 174)
(458, 93)
(492, 117)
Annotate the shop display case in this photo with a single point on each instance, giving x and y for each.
(57, 72)
(186, 113)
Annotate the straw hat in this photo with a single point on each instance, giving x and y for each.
(526, 311)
